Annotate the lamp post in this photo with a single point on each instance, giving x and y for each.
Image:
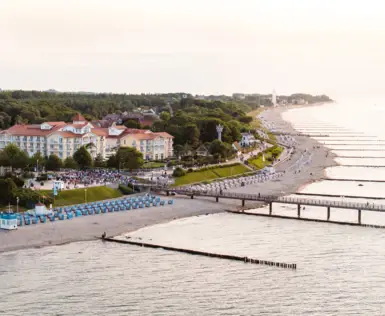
(17, 204)
(85, 195)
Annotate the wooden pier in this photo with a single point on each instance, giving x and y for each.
(292, 266)
(270, 200)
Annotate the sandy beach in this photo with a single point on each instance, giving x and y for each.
(92, 227)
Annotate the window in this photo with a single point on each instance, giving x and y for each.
(124, 142)
(60, 139)
(51, 146)
(161, 156)
(61, 155)
(68, 154)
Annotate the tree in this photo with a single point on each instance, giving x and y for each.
(191, 135)
(220, 149)
(131, 123)
(178, 150)
(165, 116)
(54, 163)
(111, 162)
(128, 157)
(7, 190)
(13, 156)
(37, 161)
(83, 158)
(99, 161)
(70, 163)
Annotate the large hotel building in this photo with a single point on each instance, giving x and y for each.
(63, 139)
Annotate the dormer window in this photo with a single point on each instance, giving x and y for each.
(45, 126)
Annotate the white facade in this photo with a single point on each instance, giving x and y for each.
(63, 140)
(247, 140)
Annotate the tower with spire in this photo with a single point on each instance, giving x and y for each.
(274, 98)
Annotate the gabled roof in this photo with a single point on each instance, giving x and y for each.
(203, 147)
(78, 118)
(32, 130)
(164, 134)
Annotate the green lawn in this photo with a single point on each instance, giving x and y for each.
(259, 163)
(69, 197)
(152, 165)
(207, 175)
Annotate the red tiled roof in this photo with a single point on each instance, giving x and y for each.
(100, 131)
(56, 123)
(78, 125)
(78, 118)
(164, 134)
(146, 122)
(145, 136)
(134, 131)
(31, 130)
(69, 134)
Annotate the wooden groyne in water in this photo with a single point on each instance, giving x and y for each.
(354, 180)
(364, 166)
(345, 196)
(292, 266)
(306, 219)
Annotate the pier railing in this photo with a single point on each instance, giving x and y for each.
(285, 200)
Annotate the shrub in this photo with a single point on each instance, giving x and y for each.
(28, 175)
(190, 170)
(133, 187)
(179, 172)
(125, 189)
(42, 177)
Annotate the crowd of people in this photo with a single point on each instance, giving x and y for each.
(93, 177)
(221, 186)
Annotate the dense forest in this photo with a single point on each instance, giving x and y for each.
(35, 106)
(190, 120)
(20, 106)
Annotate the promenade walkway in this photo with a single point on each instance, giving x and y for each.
(284, 200)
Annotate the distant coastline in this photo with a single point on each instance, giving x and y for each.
(91, 227)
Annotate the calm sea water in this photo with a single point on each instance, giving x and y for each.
(340, 269)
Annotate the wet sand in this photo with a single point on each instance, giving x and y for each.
(92, 227)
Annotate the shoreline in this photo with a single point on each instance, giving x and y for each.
(89, 228)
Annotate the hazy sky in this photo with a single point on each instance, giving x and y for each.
(199, 46)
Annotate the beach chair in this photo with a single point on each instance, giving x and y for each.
(61, 216)
(162, 203)
(69, 216)
(27, 220)
(171, 202)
